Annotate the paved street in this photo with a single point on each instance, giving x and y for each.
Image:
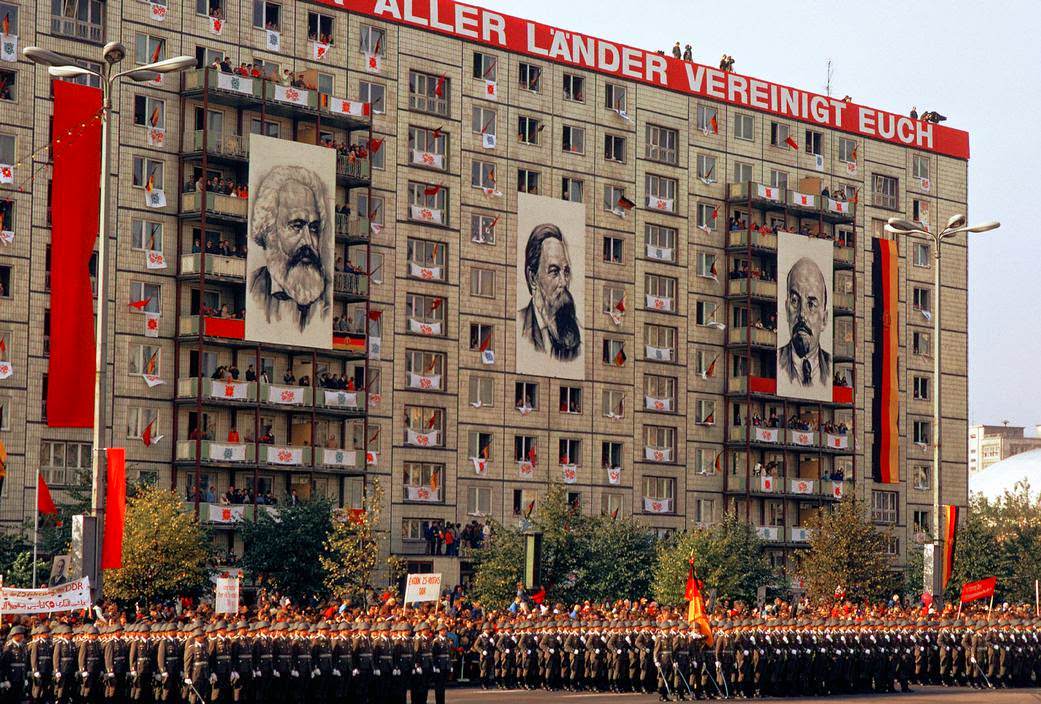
(921, 695)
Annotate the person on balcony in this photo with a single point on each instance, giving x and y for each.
(251, 375)
(233, 435)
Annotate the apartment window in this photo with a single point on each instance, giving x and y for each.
(571, 189)
(705, 461)
(707, 115)
(375, 94)
(660, 488)
(885, 191)
(920, 432)
(428, 93)
(742, 172)
(6, 336)
(65, 463)
(613, 197)
(482, 391)
(482, 174)
(8, 89)
(145, 359)
(705, 312)
(705, 412)
(146, 235)
(921, 344)
(320, 27)
(148, 49)
(661, 242)
(485, 66)
(415, 528)
(921, 388)
(614, 148)
(661, 337)
(530, 77)
(9, 12)
(428, 148)
(744, 127)
(814, 142)
(611, 454)
(661, 192)
(704, 512)
(614, 352)
(920, 299)
(779, 135)
(478, 500)
(661, 144)
(372, 40)
(613, 250)
(706, 216)
(661, 388)
(612, 295)
(482, 282)
(419, 475)
(920, 166)
(659, 437)
(143, 291)
(483, 121)
(427, 199)
(482, 228)
(778, 179)
(265, 127)
(267, 15)
(569, 450)
(613, 401)
(615, 97)
(846, 149)
(149, 111)
(706, 265)
(921, 476)
(528, 129)
(574, 139)
(661, 287)
(427, 255)
(574, 88)
(523, 501)
(707, 168)
(147, 169)
(884, 506)
(480, 336)
(921, 254)
(611, 504)
(425, 309)
(5, 414)
(139, 418)
(526, 395)
(78, 19)
(524, 446)
(425, 419)
(527, 181)
(425, 364)
(571, 399)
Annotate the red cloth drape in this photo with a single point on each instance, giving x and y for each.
(115, 508)
(44, 501)
(75, 194)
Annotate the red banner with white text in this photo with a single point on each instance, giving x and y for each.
(75, 186)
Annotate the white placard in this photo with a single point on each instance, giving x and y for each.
(235, 83)
(231, 390)
(659, 354)
(772, 435)
(151, 325)
(659, 303)
(227, 598)
(155, 260)
(801, 438)
(274, 40)
(373, 63)
(155, 198)
(421, 158)
(804, 200)
(422, 587)
(341, 399)
(656, 454)
(9, 47)
(663, 204)
(768, 192)
(487, 140)
(335, 457)
(227, 452)
(424, 328)
(156, 136)
(422, 493)
(491, 90)
(614, 475)
(428, 439)
(293, 96)
(71, 596)
(216, 25)
(424, 214)
(226, 514)
(319, 50)
(657, 505)
(569, 473)
(157, 12)
(6, 370)
(6, 173)
(350, 107)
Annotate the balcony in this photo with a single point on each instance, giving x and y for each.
(757, 288)
(226, 328)
(285, 455)
(844, 303)
(218, 206)
(351, 285)
(770, 534)
(340, 400)
(217, 390)
(284, 395)
(226, 516)
(231, 146)
(216, 452)
(352, 227)
(353, 169)
(767, 386)
(761, 484)
(758, 337)
(217, 265)
(844, 256)
(800, 534)
(346, 460)
(738, 239)
(82, 30)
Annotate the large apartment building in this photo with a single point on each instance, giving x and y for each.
(691, 182)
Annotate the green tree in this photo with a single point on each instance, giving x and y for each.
(16, 561)
(352, 549)
(282, 551)
(729, 558)
(848, 553)
(498, 566)
(165, 550)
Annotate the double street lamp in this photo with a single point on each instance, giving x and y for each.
(60, 66)
(955, 226)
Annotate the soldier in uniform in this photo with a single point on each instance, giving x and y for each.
(549, 647)
(90, 664)
(242, 665)
(484, 648)
(404, 663)
(282, 662)
(142, 660)
(422, 664)
(196, 668)
(322, 663)
(15, 663)
(383, 656)
(441, 654)
(114, 653)
(363, 659)
(64, 662)
(505, 657)
(617, 658)
(169, 657)
(301, 674)
(263, 660)
(663, 662)
(41, 662)
(343, 662)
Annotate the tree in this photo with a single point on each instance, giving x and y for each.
(352, 549)
(847, 554)
(498, 566)
(16, 560)
(729, 558)
(282, 550)
(165, 550)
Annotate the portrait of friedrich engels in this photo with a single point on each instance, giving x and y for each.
(292, 224)
(549, 322)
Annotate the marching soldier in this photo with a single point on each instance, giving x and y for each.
(15, 662)
(64, 660)
(41, 661)
(423, 664)
(363, 658)
(484, 648)
(663, 662)
(90, 663)
(505, 658)
(168, 660)
(141, 659)
(114, 653)
(322, 664)
(196, 668)
(441, 654)
(242, 665)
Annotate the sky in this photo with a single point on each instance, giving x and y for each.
(892, 55)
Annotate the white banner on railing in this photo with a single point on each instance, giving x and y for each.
(232, 390)
(341, 399)
(349, 107)
(286, 395)
(428, 439)
(838, 206)
(335, 457)
(804, 200)
(837, 442)
(227, 452)
(424, 381)
(802, 486)
(235, 83)
(659, 303)
(526, 470)
(657, 404)
(766, 434)
(427, 273)
(424, 328)
(294, 96)
(768, 192)
(801, 437)
(766, 483)
(656, 454)
(71, 596)
(657, 505)
(285, 455)
(226, 514)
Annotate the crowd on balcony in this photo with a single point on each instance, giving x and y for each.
(221, 248)
(346, 324)
(757, 272)
(769, 323)
(321, 37)
(446, 538)
(353, 152)
(834, 428)
(346, 266)
(736, 224)
(339, 382)
(220, 186)
(759, 422)
(224, 311)
(840, 378)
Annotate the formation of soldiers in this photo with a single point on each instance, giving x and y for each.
(394, 658)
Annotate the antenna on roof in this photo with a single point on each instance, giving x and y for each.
(827, 85)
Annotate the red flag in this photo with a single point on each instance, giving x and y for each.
(115, 508)
(3, 345)
(625, 204)
(436, 304)
(140, 305)
(619, 359)
(433, 481)
(716, 464)
(710, 419)
(970, 591)
(158, 50)
(696, 615)
(531, 458)
(374, 145)
(711, 367)
(791, 143)
(539, 596)
(7, 23)
(431, 191)
(485, 451)
(486, 343)
(432, 422)
(853, 154)
(439, 89)
(692, 588)
(614, 514)
(715, 212)
(437, 132)
(146, 436)
(950, 535)
(713, 271)
(150, 367)
(531, 507)
(715, 124)
(44, 502)
(154, 119)
(620, 305)
(375, 314)
(856, 196)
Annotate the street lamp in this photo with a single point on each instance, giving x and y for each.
(955, 225)
(62, 67)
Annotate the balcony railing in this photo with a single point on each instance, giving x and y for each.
(216, 203)
(219, 452)
(227, 515)
(760, 337)
(758, 287)
(232, 145)
(350, 284)
(760, 240)
(77, 29)
(353, 167)
(217, 390)
(771, 534)
(352, 226)
(216, 265)
(285, 455)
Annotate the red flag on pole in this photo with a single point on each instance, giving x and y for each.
(971, 591)
(44, 502)
(431, 191)
(715, 125)
(140, 305)
(146, 436)
(619, 359)
(115, 508)
(539, 596)
(950, 534)
(696, 615)
(439, 89)
(374, 145)
(625, 204)
(158, 50)
(791, 143)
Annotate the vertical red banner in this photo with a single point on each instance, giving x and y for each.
(950, 539)
(115, 508)
(886, 358)
(75, 200)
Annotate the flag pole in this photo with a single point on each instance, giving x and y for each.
(36, 527)
(1037, 598)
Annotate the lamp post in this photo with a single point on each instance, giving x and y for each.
(62, 67)
(956, 225)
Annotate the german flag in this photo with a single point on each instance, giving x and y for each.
(950, 535)
(696, 615)
(886, 411)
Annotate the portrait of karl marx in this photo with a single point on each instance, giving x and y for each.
(291, 223)
(804, 362)
(549, 321)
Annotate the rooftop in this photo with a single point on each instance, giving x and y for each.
(1006, 475)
